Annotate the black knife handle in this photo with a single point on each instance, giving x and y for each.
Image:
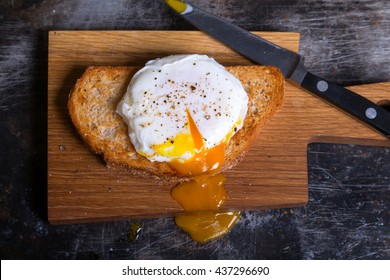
(350, 102)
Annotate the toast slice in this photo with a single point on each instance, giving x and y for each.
(92, 108)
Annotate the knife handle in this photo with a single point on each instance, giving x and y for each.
(350, 102)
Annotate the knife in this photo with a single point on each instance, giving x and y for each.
(290, 64)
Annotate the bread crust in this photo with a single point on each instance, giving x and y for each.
(92, 108)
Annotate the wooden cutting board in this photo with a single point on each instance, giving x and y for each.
(273, 174)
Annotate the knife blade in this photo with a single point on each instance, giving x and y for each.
(290, 64)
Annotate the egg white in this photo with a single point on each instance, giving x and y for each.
(162, 94)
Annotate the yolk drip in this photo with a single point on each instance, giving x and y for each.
(202, 193)
(205, 193)
(202, 197)
(208, 225)
(200, 163)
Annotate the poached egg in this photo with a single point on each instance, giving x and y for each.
(183, 110)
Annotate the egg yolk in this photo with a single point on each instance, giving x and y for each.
(201, 193)
(201, 160)
(208, 225)
(202, 196)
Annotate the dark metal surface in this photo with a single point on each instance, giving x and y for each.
(349, 186)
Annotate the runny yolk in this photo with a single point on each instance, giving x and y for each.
(202, 196)
(204, 160)
(202, 193)
(207, 225)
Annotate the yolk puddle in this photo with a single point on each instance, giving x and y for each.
(207, 225)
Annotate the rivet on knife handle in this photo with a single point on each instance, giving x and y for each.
(351, 102)
(290, 63)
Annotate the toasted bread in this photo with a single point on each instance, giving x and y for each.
(92, 108)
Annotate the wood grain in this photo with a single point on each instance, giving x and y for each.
(273, 175)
